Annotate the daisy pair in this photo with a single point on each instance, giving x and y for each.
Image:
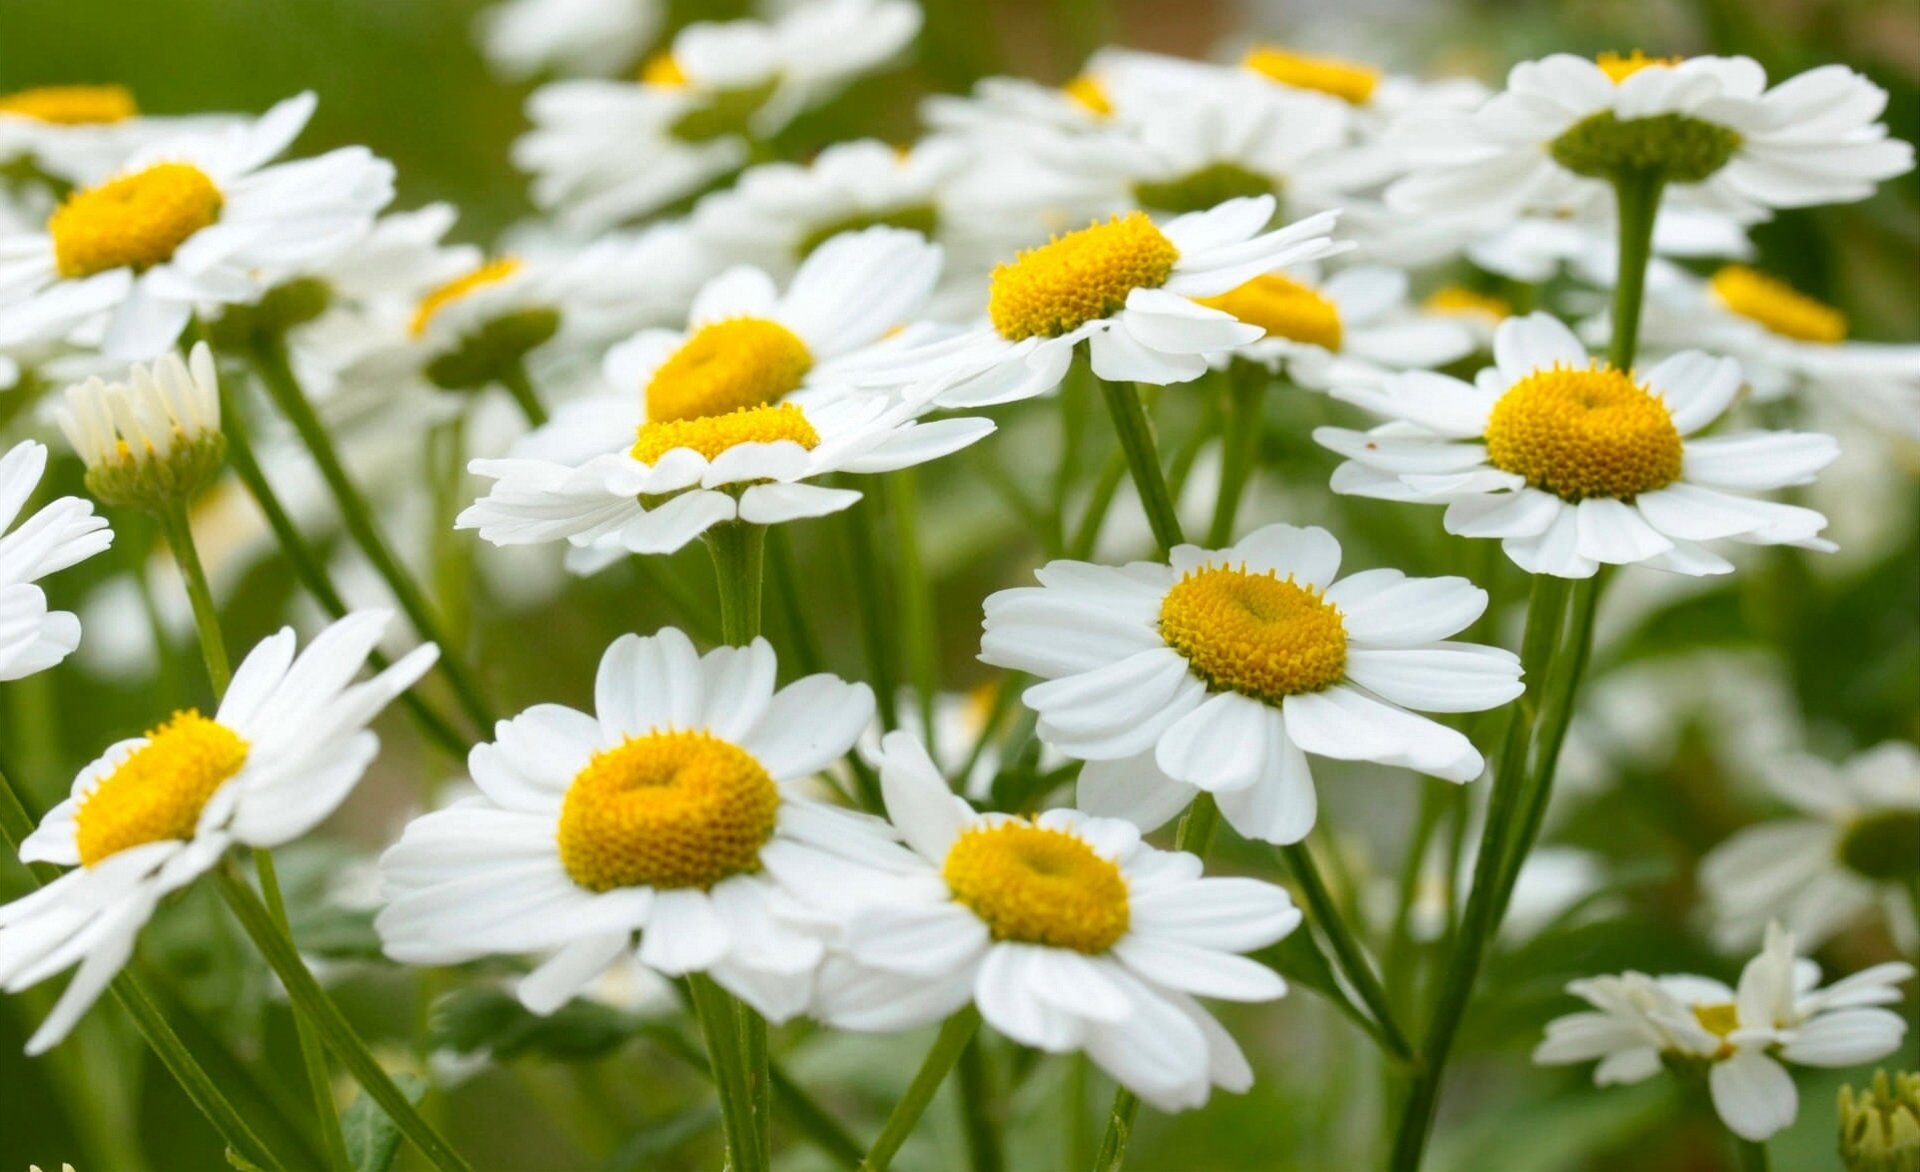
(1223, 670)
(32, 637)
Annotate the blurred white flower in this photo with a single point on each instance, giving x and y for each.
(524, 37)
(33, 638)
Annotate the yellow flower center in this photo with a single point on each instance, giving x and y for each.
(1460, 301)
(1080, 277)
(1584, 433)
(1283, 307)
(1619, 68)
(716, 433)
(437, 299)
(669, 809)
(135, 221)
(726, 366)
(1719, 1020)
(1349, 81)
(1256, 634)
(71, 105)
(663, 69)
(1777, 306)
(1086, 91)
(157, 793)
(1038, 886)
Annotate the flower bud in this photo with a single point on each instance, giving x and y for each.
(1880, 1129)
(152, 442)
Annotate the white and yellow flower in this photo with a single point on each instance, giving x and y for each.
(33, 638)
(1068, 931)
(82, 133)
(1573, 464)
(153, 441)
(154, 812)
(1222, 671)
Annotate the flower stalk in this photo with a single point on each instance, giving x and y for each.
(954, 1036)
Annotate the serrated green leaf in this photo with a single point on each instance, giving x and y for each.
(372, 1139)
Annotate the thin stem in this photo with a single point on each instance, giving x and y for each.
(715, 1009)
(1637, 196)
(313, 1054)
(872, 610)
(1239, 442)
(1105, 486)
(1751, 1156)
(276, 374)
(917, 617)
(954, 1036)
(739, 563)
(805, 650)
(1347, 951)
(334, 1029)
(513, 376)
(979, 1113)
(1135, 432)
(206, 617)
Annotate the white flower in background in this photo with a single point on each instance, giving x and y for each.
(1554, 881)
(153, 441)
(1535, 248)
(602, 152)
(1723, 140)
(1573, 464)
(1742, 1037)
(523, 37)
(153, 813)
(678, 811)
(82, 133)
(731, 418)
(1223, 670)
(1134, 291)
(33, 638)
(1852, 854)
(193, 221)
(1068, 932)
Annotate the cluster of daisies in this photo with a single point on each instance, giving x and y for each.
(699, 339)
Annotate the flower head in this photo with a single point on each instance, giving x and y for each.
(33, 638)
(154, 441)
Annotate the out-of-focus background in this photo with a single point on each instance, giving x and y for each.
(404, 78)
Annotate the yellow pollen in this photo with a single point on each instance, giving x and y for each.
(1283, 307)
(1619, 68)
(663, 69)
(1256, 634)
(1039, 886)
(135, 221)
(726, 366)
(1349, 81)
(1777, 306)
(669, 809)
(1079, 277)
(157, 793)
(1719, 1020)
(1460, 301)
(1584, 433)
(1087, 92)
(716, 433)
(71, 105)
(491, 273)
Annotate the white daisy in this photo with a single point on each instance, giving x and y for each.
(33, 638)
(1068, 931)
(1223, 670)
(1743, 1037)
(678, 811)
(731, 419)
(153, 813)
(80, 133)
(1721, 138)
(523, 37)
(1573, 464)
(1849, 856)
(197, 220)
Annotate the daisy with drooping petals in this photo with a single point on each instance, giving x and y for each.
(730, 419)
(1744, 1038)
(1574, 464)
(153, 813)
(197, 220)
(677, 811)
(1223, 670)
(1068, 931)
(33, 638)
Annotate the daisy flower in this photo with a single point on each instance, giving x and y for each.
(153, 813)
(197, 220)
(1573, 464)
(1223, 670)
(1744, 1038)
(1709, 126)
(153, 441)
(523, 37)
(80, 133)
(33, 638)
(1068, 932)
(678, 810)
(731, 418)
(1850, 854)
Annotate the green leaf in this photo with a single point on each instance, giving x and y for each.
(372, 1139)
(491, 1020)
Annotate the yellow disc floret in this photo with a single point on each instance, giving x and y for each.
(663, 69)
(437, 299)
(717, 433)
(1349, 81)
(1086, 91)
(157, 793)
(1584, 433)
(1283, 307)
(71, 105)
(135, 221)
(1080, 277)
(1619, 68)
(1719, 1020)
(668, 809)
(1777, 306)
(726, 366)
(1257, 634)
(1460, 301)
(1038, 886)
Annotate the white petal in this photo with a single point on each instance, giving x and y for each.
(1753, 1094)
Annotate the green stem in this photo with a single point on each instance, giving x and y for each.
(1105, 486)
(1751, 1156)
(313, 1054)
(1348, 951)
(206, 617)
(310, 999)
(1135, 432)
(916, 601)
(1637, 196)
(979, 1113)
(720, 1026)
(513, 376)
(870, 598)
(805, 644)
(1239, 442)
(954, 1036)
(739, 562)
(270, 362)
